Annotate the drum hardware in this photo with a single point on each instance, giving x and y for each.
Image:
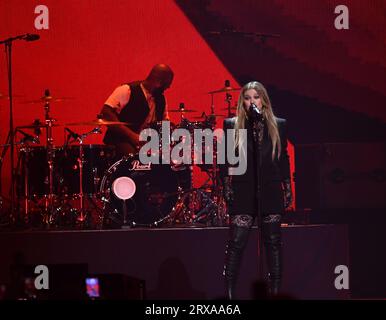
(47, 98)
(27, 137)
(47, 185)
(50, 155)
(205, 117)
(23, 142)
(2, 156)
(182, 109)
(226, 88)
(204, 204)
(6, 97)
(199, 205)
(36, 127)
(228, 100)
(49, 151)
(97, 122)
(82, 214)
(213, 213)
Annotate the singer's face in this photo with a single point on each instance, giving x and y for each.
(251, 96)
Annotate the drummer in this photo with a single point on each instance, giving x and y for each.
(139, 103)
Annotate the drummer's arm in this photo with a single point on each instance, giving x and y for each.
(113, 105)
(109, 114)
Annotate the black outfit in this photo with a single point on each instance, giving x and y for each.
(273, 174)
(135, 113)
(243, 207)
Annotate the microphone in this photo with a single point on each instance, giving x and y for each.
(31, 37)
(28, 138)
(255, 112)
(97, 130)
(72, 133)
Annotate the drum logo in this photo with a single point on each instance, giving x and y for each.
(136, 165)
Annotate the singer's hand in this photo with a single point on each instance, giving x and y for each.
(255, 112)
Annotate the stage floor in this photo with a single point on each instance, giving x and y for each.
(186, 263)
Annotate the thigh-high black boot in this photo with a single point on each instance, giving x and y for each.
(273, 244)
(239, 233)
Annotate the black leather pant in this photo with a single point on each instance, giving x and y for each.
(239, 233)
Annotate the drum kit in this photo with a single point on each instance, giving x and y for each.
(87, 186)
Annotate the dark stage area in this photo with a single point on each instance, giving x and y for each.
(185, 263)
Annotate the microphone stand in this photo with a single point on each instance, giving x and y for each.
(8, 51)
(257, 126)
(2, 156)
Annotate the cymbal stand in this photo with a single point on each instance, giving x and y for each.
(228, 100)
(82, 216)
(212, 104)
(50, 159)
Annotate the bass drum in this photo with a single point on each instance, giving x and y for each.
(141, 195)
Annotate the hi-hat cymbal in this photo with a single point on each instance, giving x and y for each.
(225, 89)
(182, 110)
(48, 99)
(97, 122)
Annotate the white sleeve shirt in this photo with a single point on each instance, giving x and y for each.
(121, 96)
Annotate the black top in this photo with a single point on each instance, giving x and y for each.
(273, 173)
(135, 112)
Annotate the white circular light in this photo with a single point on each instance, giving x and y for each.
(124, 188)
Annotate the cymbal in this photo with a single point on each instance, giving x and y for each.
(97, 122)
(36, 126)
(49, 99)
(225, 89)
(209, 115)
(6, 97)
(182, 110)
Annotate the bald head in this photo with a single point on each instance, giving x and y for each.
(159, 79)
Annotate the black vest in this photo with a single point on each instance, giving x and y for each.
(135, 112)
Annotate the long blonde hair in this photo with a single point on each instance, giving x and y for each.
(267, 114)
